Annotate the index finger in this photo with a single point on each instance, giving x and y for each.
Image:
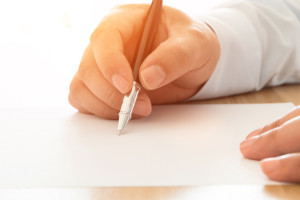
(110, 41)
(277, 123)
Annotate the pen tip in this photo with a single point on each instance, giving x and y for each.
(119, 132)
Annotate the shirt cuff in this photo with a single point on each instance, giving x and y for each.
(240, 59)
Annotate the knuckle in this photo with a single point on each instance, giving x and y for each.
(87, 75)
(196, 32)
(180, 52)
(275, 124)
(111, 99)
(201, 35)
(264, 129)
(204, 40)
(275, 141)
(96, 34)
(106, 26)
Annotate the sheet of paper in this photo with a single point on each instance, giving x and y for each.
(176, 145)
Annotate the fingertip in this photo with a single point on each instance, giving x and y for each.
(241, 148)
(152, 77)
(115, 67)
(143, 106)
(254, 133)
(121, 83)
(269, 167)
(245, 148)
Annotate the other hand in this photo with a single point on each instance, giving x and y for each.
(278, 146)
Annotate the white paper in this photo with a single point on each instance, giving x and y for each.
(177, 145)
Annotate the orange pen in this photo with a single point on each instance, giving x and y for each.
(142, 50)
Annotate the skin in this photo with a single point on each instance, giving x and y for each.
(277, 146)
(184, 55)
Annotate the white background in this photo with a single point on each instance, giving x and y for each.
(41, 43)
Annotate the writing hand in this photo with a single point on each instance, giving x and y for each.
(183, 57)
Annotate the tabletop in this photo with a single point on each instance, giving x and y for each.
(287, 93)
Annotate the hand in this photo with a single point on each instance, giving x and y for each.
(183, 57)
(278, 146)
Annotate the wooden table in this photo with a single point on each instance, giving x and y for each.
(289, 93)
(286, 93)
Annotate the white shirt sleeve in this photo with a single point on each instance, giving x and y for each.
(260, 46)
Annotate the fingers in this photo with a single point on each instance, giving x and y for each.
(290, 115)
(85, 101)
(76, 105)
(90, 82)
(285, 168)
(116, 32)
(109, 56)
(93, 79)
(80, 95)
(278, 138)
(174, 58)
(275, 142)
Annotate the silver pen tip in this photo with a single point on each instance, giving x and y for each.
(127, 107)
(119, 132)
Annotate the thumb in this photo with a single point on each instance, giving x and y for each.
(171, 60)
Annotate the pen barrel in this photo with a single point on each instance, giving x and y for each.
(148, 33)
(143, 49)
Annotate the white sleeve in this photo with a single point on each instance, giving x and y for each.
(260, 46)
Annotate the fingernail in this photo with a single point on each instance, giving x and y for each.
(248, 143)
(253, 133)
(153, 76)
(121, 83)
(141, 108)
(247, 148)
(270, 165)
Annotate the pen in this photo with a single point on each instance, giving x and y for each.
(142, 50)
